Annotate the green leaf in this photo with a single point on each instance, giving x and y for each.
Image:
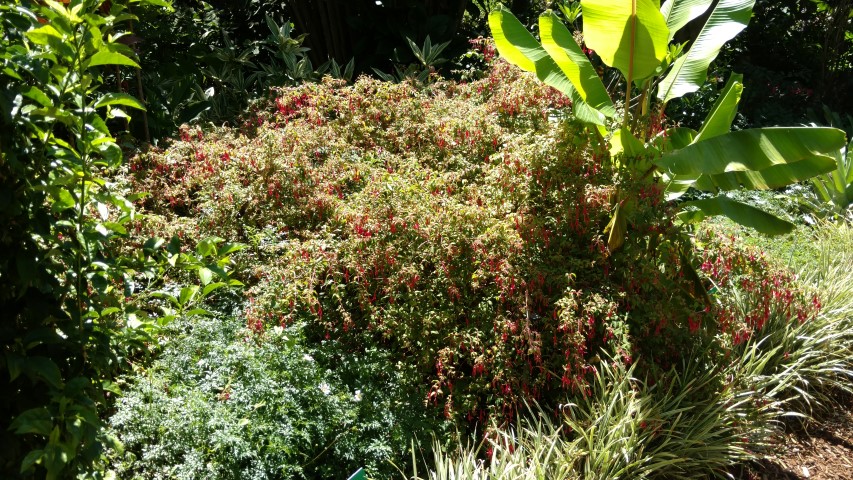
(210, 287)
(205, 275)
(36, 94)
(46, 369)
(207, 247)
(719, 120)
(31, 459)
(115, 228)
(157, 3)
(187, 294)
(679, 13)
(34, 420)
(752, 150)
(689, 71)
(62, 200)
(776, 176)
(674, 138)
(43, 35)
(518, 47)
(741, 213)
(64, 12)
(104, 57)
(624, 141)
(119, 99)
(561, 46)
(630, 35)
(229, 248)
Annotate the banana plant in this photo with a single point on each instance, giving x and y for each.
(637, 38)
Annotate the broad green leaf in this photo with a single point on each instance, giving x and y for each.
(229, 248)
(518, 47)
(34, 420)
(679, 13)
(689, 71)
(104, 57)
(678, 185)
(630, 35)
(119, 99)
(35, 93)
(187, 294)
(43, 34)
(561, 46)
(210, 287)
(623, 141)
(674, 138)
(719, 120)
(205, 275)
(776, 176)
(31, 459)
(46, 369)
(115, 228)
(207, 246)
(66, 14)
(741, 213)
(752, 150)
(515, 44)
(62, 200)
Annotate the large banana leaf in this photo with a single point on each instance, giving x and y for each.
(776, 176)
(753, 150)
(679, 13)
(689, 71)
(630, 35)
(518, 47)
(719, 120)
(561, 46)
(744, 214)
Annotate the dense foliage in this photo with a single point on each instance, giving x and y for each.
(456, 228)
(422, 256)
(72, 291)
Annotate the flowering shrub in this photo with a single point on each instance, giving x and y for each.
(752, 292)
(455, 227)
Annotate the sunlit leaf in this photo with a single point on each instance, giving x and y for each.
(741, 213)
(689, 71)
(561, 46)
(630, 35)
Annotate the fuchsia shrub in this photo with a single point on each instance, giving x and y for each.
(458, 227)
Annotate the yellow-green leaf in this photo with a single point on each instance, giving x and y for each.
(630, 35)
(518, 47)
(119, 99)
(561, 46)
(104, 57)
(752, 150)
(719, 120)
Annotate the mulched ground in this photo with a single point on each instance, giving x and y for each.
(820, 451)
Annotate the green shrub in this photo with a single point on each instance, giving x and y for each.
(224, 402)
(456, 226)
